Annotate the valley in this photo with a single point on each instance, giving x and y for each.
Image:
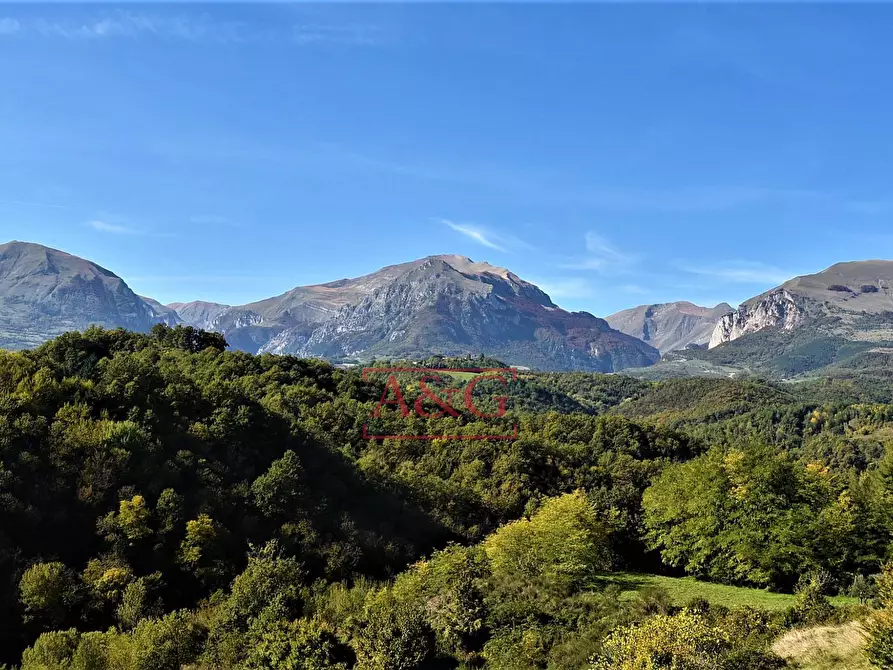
(193, 483)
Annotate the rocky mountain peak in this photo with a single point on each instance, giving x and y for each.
(847, 291)
(45, 292)
(670, 326)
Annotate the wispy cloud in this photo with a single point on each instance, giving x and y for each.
(634, 289)
(567, 288)
(9, 26)
(191, 28)
(741, 272)
(353, 34)
(486, 237)
(602, 256)
(32, 203)
(130, 25)
(113, 228)
(476, 233)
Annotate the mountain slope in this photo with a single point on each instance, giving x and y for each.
(298, 311)
(198, 314)
(164, 313)
(669, 326)
(45, 292)
(841, 297)
(437, 305)
(838, 322)
(453, 306)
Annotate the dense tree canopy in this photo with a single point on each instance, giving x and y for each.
(167, 502)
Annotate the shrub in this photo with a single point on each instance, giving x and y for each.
(880, 626)
(48, 591)
(684, 640)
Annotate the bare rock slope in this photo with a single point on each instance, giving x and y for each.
(45, 292)
(669, 326)
(844, 297)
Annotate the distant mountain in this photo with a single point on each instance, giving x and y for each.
(45, 292)
(840, 297)
(290, 316)
(449, 305)
(198, 314)
(164, 313)
(453, 306)
(835, 323)
(446, 305)
(669, 326)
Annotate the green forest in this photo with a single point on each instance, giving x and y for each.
(168, 503)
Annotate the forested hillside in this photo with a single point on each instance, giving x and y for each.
(165, 502)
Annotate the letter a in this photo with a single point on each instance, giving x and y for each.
(393, 385)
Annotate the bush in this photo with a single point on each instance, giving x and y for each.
(684, 640)
(393, 634)
(752, 659)
(812, 606)
(51, 650)
(698, 605)
(862, 588)
(880, 626)
(48, 591)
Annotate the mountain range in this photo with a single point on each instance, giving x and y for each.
(45, 292)
(446, 304)
(670, 326)
(837, 319)
(837, 323)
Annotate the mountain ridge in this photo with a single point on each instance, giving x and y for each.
(45, 292)
(455, 306)
(669, 326)
(844, 291)
(443, 304)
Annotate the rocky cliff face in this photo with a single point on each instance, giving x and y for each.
(779, 309)
(45, 292)
(277, 323)
(199, 314)
(452, 306)
(669, 326)
(163, 313)
(848, 292)
(441, 304)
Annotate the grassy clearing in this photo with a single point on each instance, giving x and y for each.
(684, 589)
(461, 376)
(825, 648)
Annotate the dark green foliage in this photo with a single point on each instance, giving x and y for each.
(704, 400)
(784, 354)
(880, 626)
(166, 502)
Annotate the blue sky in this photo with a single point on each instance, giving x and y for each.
(615, 154)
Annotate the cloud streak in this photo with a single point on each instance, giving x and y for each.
(112, 228)
(350, 34)
(741, 272)
(476, 233)
(567, 288)
(191, 28)
(486, 237)
(32, 203)
(603, 257)
(9, 26)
